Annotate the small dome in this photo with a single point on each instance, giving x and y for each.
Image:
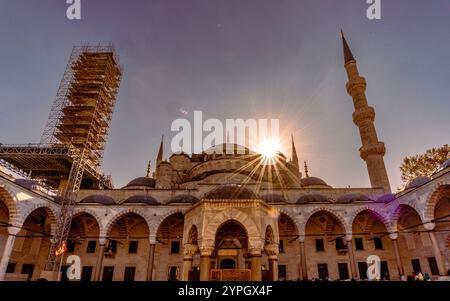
(98, 199)
(312, 198)
(445, 165)
(389, 197)
(141, 199)
(141, 181)
(273, 198)
(182, 154)
(313, 181)
(30, 184)
(183, 199)
(418, 181)
(230, 191)
(353, 197)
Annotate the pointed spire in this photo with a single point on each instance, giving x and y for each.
(348, 56)
(149, 165)
(294, 152)
(306, 170)
(159, 158)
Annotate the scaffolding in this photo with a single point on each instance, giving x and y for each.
(71, 149)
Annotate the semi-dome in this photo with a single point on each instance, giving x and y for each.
(177, 154)
(142, 182)
(98, 199)
(183, 199)
(273, 198)
(141, 199)
(313, 181)
(386, 198)
(230, 191)
(312, 198)
(417, 181)
(353, 197)
(30, 184)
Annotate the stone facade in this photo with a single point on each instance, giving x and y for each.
(177, 230)
(224, 210)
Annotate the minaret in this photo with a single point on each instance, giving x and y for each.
(159, 158)
(294, 152)
(372, 150)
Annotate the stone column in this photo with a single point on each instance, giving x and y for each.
(99, 263)
(351, 256)
(303, 267)
(189, 251)
(12, 232)
(205, 263)
(272, 251)
(398, 259)
(151, 260)
(437, 253)
(255, 263)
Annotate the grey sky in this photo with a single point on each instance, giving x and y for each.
(234, 58)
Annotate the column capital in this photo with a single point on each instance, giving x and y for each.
(272, 250)
(348, 237)
(255, 243)
(301, 238)
(189, 250)
(393, 235)
(206, 250)
(102, 241)
(429, 226)
(152, 239)
(13, 230)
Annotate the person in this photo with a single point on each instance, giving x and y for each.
(420, 276)
(427, 277)
(403, 277)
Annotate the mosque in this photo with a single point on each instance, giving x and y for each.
(230, 216)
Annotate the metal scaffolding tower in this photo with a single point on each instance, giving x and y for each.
(71, 148)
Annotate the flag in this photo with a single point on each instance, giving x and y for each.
(62, 249)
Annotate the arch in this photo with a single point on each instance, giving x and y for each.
(396, 215)
(333, 213)
(380, 216)
(193, 235)
(269, 235)
(51, 213)
(155, 226)
(292, 217)
(10, 201)
(80, 211)
(433, 199)
(123, 213)
(233, 214)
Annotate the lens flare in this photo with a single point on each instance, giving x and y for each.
(269, 148)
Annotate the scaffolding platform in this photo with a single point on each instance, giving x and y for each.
(50, 164)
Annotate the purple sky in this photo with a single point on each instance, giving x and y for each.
(239, 59)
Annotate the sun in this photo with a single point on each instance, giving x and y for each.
(269, 148)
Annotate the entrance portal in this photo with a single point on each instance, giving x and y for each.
(231, 253)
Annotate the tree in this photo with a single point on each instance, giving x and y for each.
(424, 164)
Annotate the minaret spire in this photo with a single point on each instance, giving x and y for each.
(159, 158)
(348, 56)
(149, 168)
(294, 152)
(306, 170)
(372, 150)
